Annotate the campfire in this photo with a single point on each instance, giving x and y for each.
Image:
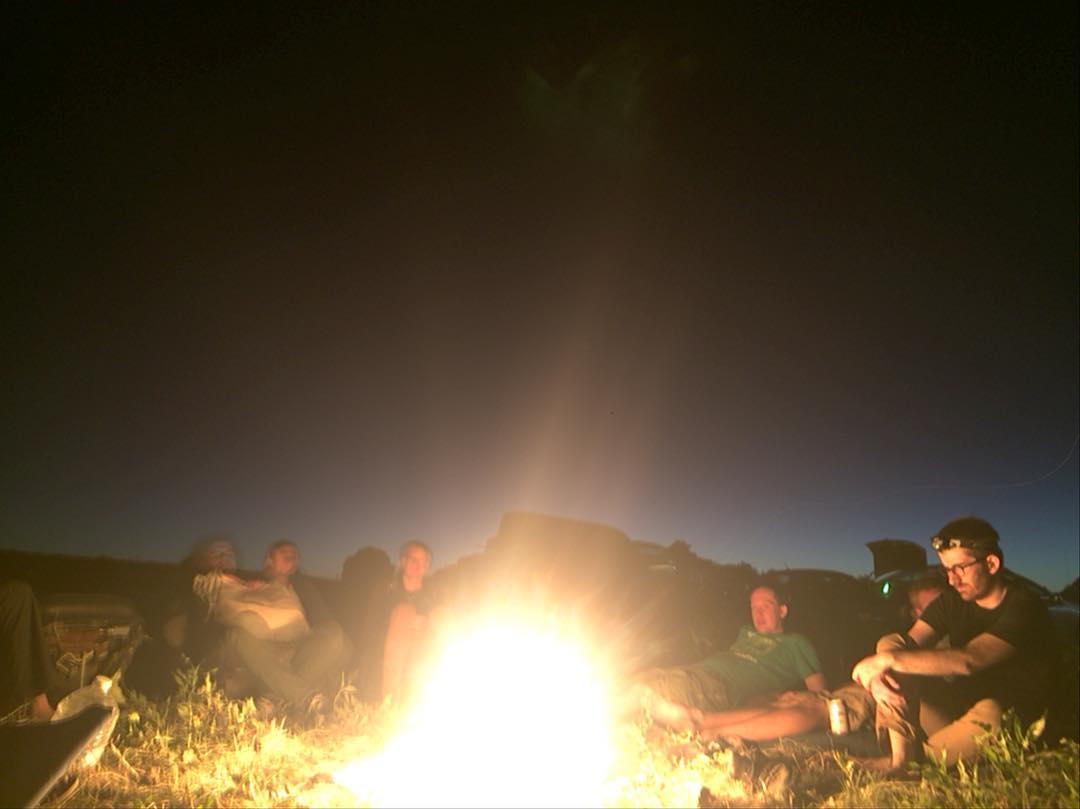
(509, 715)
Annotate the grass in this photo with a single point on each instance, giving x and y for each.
(200, 749)
(1015, 770)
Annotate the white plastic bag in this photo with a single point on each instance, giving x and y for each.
(99, 692)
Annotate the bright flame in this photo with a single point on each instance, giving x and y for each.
(510, 716)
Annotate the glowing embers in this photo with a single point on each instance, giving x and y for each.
(510, 716)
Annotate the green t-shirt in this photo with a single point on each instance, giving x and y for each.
(759, 663)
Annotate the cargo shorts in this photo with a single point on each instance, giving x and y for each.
(858, 703)
(691, 686)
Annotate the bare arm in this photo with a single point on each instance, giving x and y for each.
(980, 653)
(875, 666)
(924, 635)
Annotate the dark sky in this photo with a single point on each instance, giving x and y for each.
(775, 279)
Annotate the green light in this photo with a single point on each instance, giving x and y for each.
(886, 588)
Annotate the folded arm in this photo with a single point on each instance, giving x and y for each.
(980, 653)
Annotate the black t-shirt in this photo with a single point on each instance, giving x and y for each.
(1021, 620)
(385, 597)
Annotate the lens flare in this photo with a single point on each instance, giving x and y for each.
(510, 716)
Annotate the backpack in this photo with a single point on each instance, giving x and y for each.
(89, 634)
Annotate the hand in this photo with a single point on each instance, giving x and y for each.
(886, 693)
(871, 667)
(790, 699)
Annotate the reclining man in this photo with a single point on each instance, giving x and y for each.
(763, 661)
(1001, 656)
(795, 712)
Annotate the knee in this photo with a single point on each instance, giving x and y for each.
(332, 636)
(403, 612)
(241, 640)
(16, 592)
(987, 712)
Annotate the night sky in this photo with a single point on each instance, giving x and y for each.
(773, 279)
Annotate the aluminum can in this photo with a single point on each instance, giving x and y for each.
(838, 721)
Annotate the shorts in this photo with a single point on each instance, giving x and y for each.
(691, 686)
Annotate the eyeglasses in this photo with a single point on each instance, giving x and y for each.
(959, 570)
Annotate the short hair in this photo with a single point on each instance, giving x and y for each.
(929, 581)
(208, 552)
(973, 533)
(416, 543)
(281, 543)
(781, 594)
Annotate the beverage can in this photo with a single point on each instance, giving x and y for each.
(838, 721)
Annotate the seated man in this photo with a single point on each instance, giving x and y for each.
(1002, 655)
(189, 633)
(26, 670)
(280, 629)
(400, 616)
(761, 662)
(362, 573)
(795, 712)
(187, 628)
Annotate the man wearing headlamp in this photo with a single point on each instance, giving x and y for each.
(1001, 656)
